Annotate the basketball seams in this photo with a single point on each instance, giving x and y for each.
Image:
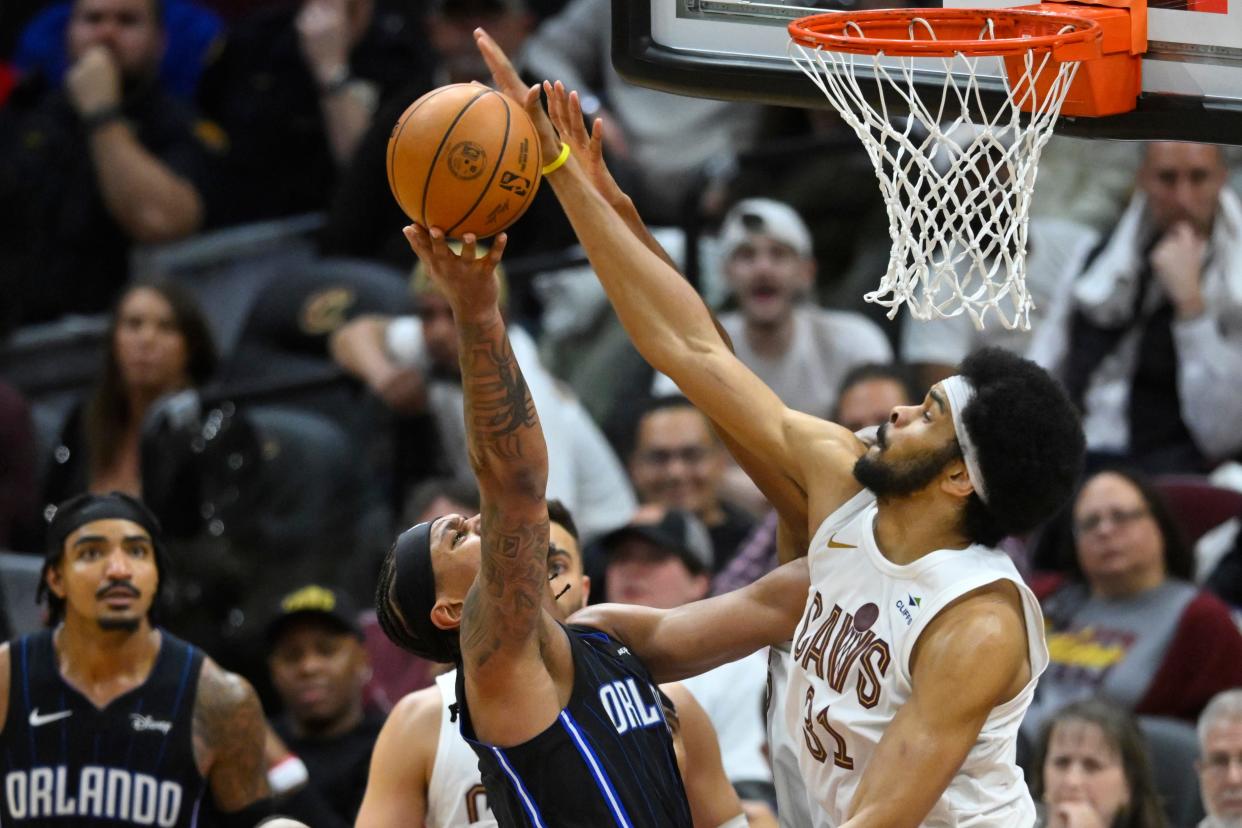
(500, 156)
(435, 158)
(460, 166)
(394, 144)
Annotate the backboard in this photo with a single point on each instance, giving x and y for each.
(736, 49)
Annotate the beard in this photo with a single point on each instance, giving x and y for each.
(123, 624)
(901, 479)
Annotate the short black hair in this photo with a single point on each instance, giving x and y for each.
(558, 513)
(1029, 444)
(894, 371)
(651, 406)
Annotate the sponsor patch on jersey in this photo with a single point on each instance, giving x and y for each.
(144, 722)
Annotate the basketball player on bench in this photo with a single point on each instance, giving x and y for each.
(916, 646)
(567, 725)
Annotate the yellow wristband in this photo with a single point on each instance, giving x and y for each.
(560, 160)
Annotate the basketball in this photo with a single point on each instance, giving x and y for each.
(464, 158)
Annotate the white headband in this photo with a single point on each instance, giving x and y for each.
(960, 392)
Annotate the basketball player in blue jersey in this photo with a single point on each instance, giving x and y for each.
(915, 644)
(107, 718)
(422, 771)
(567, 724)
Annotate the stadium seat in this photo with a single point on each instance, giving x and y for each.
(1173, 747)
(1197, 504)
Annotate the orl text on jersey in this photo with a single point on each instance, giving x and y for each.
(106, 793)
(829, 650)
(626, 707)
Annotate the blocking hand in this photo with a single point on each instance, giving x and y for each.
(466, 279)
(510, 83)
(565, 111)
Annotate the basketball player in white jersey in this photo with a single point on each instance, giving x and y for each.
(916, 646)
(423, 772)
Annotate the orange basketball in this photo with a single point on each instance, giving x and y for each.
(464, 158)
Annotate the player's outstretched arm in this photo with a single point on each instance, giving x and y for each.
(396, 794)
(971, 658)
(565, 112)
(504, 633)
(229, 731)
(667, 320)
(694, 638)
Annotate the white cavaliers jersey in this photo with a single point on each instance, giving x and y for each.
(850, 669)
(455, 795)
(794, 805)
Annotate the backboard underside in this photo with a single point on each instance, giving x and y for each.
(737, 49)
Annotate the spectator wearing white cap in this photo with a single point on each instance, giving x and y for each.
(802, 352)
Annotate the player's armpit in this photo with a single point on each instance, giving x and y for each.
(228, 732)
(396, 794)
(694, 638)
(971, 658)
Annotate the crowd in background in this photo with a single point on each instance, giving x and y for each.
(209, 305)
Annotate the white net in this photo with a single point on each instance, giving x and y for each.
(957, 176)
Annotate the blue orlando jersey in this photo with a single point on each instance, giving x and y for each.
(607, 760)
(65, 762)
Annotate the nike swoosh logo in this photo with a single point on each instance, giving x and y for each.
(832, 543)
(37, 721)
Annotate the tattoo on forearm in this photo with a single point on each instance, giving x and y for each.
(508, 597)
(497, 399)
(506, 445)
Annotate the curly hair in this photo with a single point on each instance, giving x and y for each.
(1029, 442)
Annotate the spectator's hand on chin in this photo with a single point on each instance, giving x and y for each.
(1075, 815)
(94, 81)
(1177, 261)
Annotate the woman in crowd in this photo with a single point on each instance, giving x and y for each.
(158, 343)
(1091, 770)
(1127, 622)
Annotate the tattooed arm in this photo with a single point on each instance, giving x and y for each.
(228, 732)
(505, 634)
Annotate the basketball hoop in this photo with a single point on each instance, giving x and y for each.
(956, 168)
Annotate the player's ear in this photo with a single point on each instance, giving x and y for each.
(446, 614)
(586, 589)
(55, 580)
(955, 480)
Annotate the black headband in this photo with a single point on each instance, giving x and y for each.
(82, 509)
(78, 511)
(414, 594)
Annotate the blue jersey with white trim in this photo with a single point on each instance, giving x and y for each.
(607, 760)
(64, 761)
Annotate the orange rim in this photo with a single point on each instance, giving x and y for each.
(898, 32)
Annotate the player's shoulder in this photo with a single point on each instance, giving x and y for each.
(224, 702)
(417, 714)
(986, 624)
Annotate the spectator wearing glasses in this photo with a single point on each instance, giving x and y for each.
(1220, 760)
(1128, 623)
(678, 463)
